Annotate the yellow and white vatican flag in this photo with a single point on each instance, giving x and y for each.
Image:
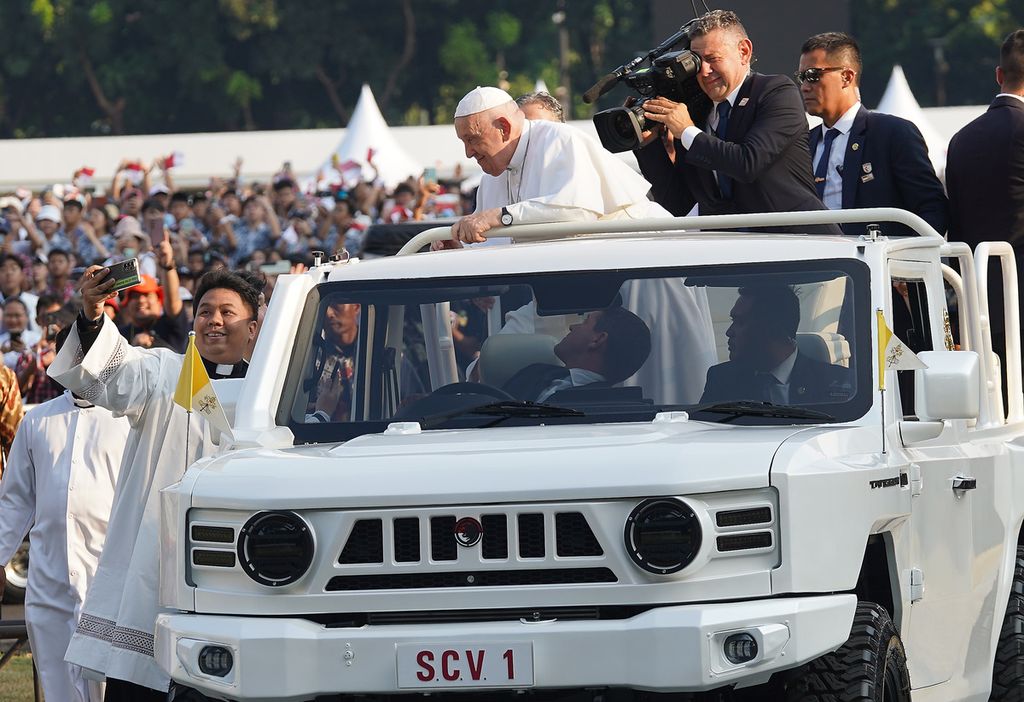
(893, 354)
(195, 391)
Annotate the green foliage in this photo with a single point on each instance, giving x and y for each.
(79, 67)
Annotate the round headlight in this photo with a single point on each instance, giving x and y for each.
(275, 548)
(662, 535)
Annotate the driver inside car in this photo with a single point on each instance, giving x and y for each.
(606, 348)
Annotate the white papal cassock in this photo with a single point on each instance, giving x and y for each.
(114, 637)
(59, 483)
(557, 174)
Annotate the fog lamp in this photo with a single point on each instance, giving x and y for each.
(740, 648)
(215, 660)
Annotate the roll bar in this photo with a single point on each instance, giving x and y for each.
(673, 225)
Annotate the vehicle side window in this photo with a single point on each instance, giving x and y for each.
(912, 325)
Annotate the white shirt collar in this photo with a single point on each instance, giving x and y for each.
(731, 97)
(785, 369)
(519, 155)
(77, 401)
(845, 123)
(1019, 97)
(582, 376)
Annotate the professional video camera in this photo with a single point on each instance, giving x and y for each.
(671, 74)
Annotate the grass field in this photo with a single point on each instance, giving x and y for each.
(16, 679)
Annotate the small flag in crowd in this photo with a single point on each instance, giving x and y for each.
(893, 354)
(195, 391)
(83, 176)
(135, 172)
(175, 160)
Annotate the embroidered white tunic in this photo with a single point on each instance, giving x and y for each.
(59, 483)
(114, 638)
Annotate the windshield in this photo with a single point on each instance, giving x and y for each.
(781, 342)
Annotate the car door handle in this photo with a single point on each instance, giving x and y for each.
(962, 483)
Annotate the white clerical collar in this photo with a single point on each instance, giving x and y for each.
(77, 401)
(785, 369)
(519, 155)
(225, 368)
(845, 123)
(1019, 97)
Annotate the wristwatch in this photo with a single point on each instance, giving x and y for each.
(506, 217)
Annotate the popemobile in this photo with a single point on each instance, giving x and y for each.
(668, 459)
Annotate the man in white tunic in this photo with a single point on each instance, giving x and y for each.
(58, 487)
(542, 171)
(114, 639)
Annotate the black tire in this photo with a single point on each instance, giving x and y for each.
(1008, 669)
(17, 576)
(870, 667)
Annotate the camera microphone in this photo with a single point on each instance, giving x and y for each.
(601, 87)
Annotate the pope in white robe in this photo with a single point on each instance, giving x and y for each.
(542, 171)
(59, 487)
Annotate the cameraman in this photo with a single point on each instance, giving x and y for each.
(753, 154)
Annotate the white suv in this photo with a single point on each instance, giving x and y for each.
(410, 505)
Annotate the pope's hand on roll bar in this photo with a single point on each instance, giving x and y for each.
(470, 229)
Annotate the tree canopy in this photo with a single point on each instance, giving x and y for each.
(83, 67)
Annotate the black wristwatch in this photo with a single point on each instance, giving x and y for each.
(506, 217)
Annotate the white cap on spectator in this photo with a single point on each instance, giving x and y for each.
(159, 189)
(10, 201)
(479, 99)
(49, 212)
(128, 226)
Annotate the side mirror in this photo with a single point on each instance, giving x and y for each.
(950, 387)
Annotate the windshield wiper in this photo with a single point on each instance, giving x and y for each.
(746, 408)
(502, 410)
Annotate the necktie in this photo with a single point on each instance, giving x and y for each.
(821, 172)
(770, 389)
(724, 182)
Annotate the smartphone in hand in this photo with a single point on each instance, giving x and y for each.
(155, 229)
(125, 274)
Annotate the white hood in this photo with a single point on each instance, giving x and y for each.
(495, 465)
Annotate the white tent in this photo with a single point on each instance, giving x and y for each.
(541, 87)
(367, 130)
(899, 100)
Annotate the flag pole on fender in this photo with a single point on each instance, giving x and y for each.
(195, 392)
(893, 354)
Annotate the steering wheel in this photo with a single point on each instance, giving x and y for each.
(471, 388)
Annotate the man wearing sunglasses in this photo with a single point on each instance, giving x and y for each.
(863, 158)
(749, 154)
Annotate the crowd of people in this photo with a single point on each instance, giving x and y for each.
(210, 256)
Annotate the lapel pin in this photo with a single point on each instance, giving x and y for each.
(867, 177)
(743, 102)
(866, 167)
(855, 146)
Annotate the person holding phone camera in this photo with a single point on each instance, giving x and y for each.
(98, 363)
(17, 339)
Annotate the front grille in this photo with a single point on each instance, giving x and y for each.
(365, 544)
(573, 538)
(483, 578)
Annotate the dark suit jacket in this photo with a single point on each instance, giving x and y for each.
(529, 382)
(764, 152)
(985, 177)
(886, 165)
(811, 382)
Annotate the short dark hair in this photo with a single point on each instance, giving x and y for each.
(13, 300)
(404, 188)
(4, 258)
(283, 183)
(58, 252)
(48, 300)
(545, 100)
(1011, 59)
(838, 45)
(629, 343)
(226, 280)
(718, 19)
(73, 202)
(179, 196)
(153, 204)
(775, 309)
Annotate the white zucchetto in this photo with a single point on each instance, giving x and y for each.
(481, 98)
